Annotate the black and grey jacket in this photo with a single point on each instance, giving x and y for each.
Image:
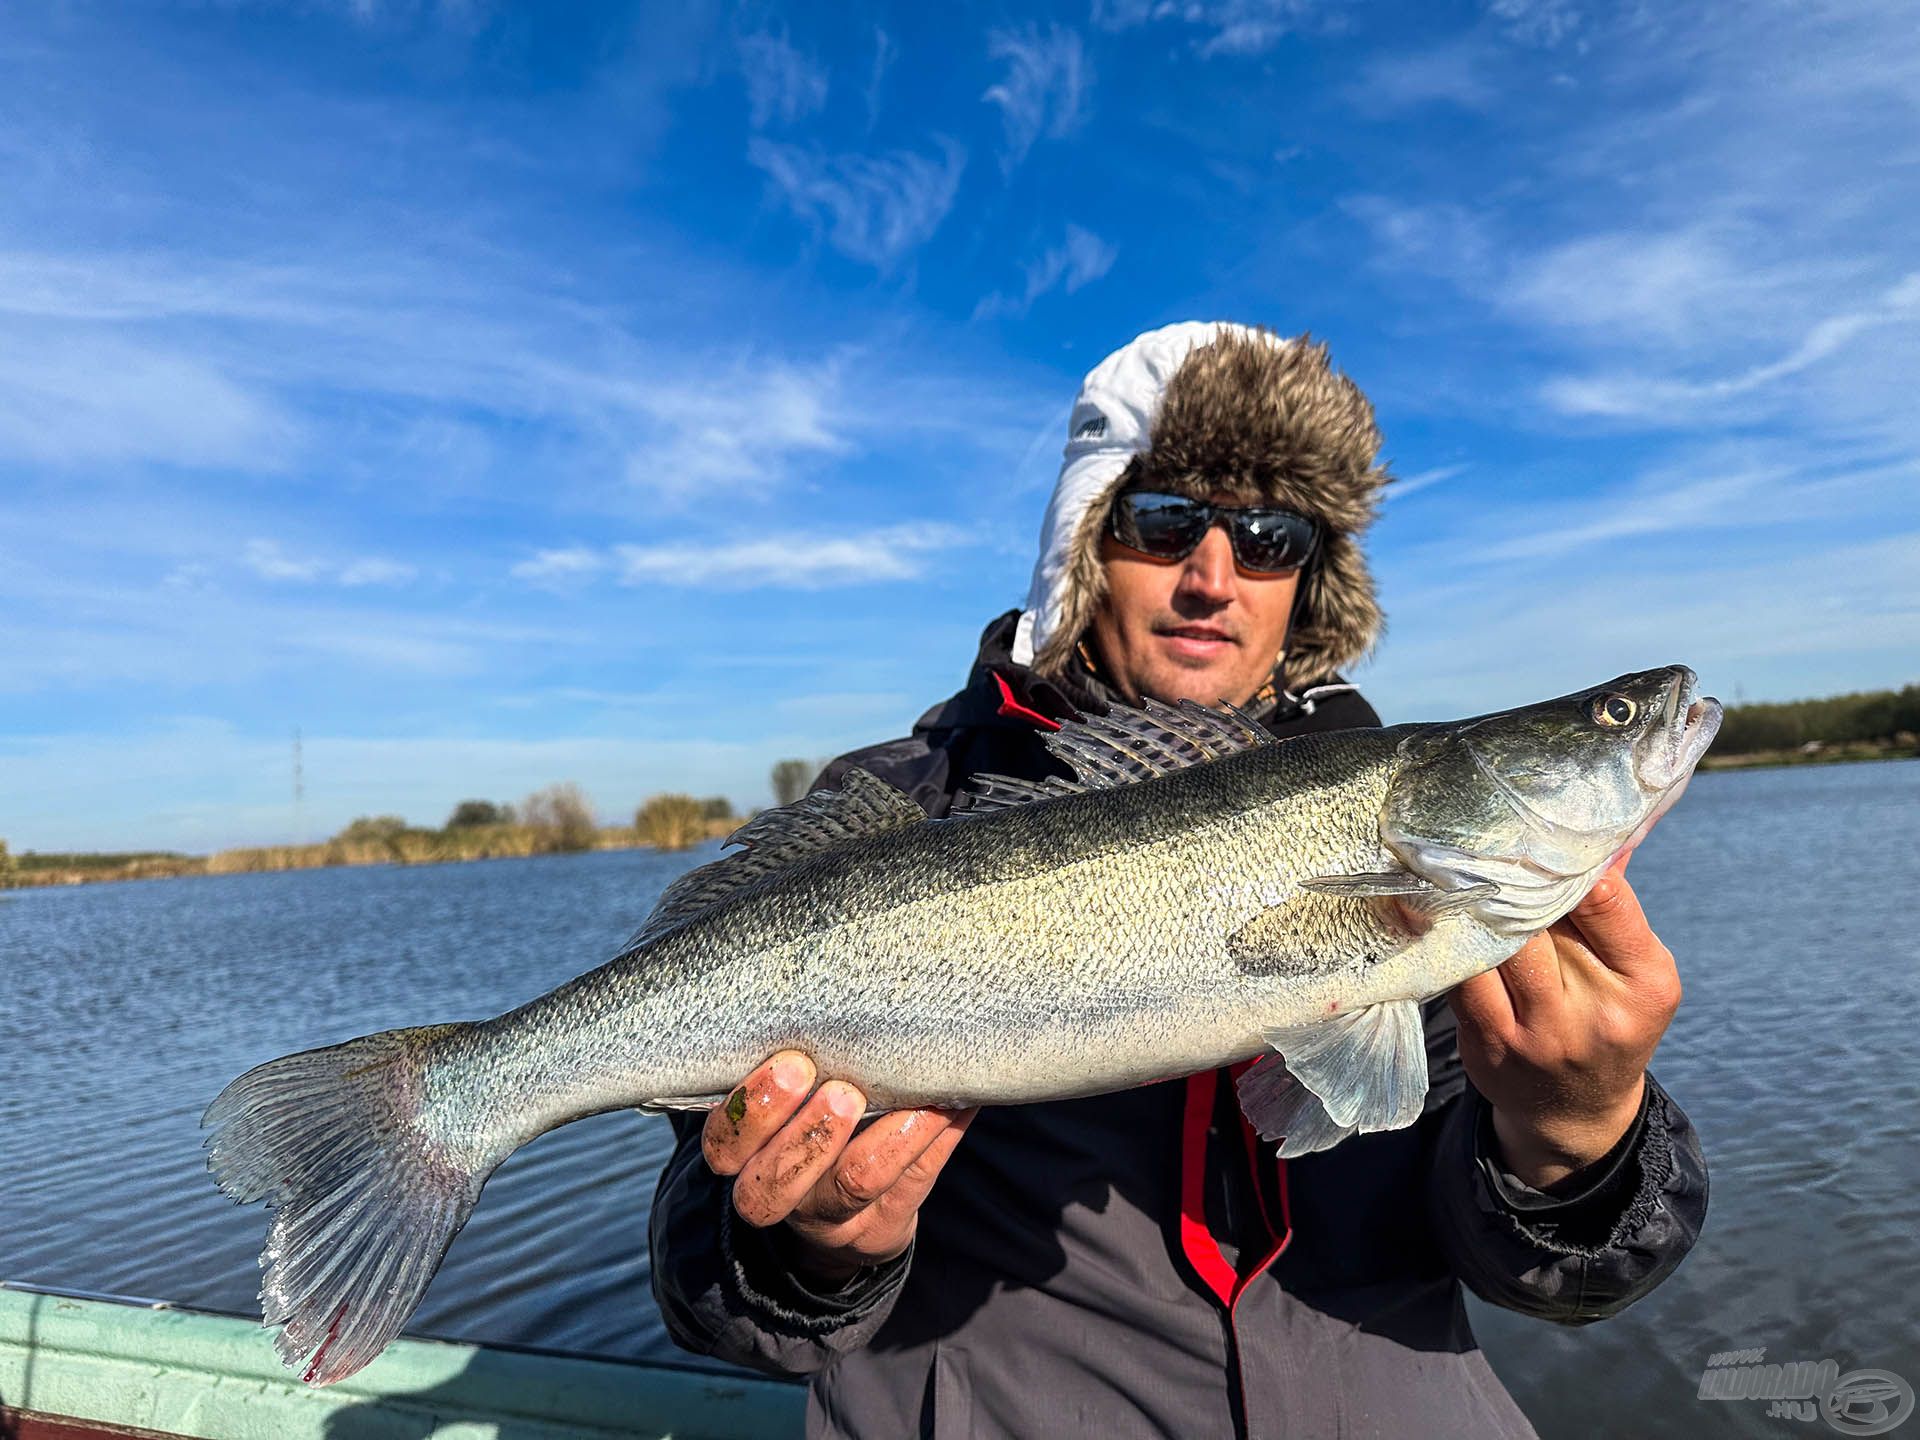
(1138, 1264)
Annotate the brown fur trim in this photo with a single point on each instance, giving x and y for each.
(1252, 422)
(1085, 588)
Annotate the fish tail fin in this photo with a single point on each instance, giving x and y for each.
(365, 1202)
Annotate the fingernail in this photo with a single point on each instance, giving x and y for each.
(793, 1072)
(845, 1101)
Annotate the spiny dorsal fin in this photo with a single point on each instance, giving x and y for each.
(1001, 792)
(1127, 745)
(775, 838)
(1123, 746)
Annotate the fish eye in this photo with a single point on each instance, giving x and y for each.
(1614, 710)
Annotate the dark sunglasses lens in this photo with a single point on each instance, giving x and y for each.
(1272, 539)
(1163, 525)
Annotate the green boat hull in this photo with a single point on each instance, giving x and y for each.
(81, 1366)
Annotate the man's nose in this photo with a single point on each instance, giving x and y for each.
(1208, 573)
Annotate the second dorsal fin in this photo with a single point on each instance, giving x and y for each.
(1125, 746)
(775, 838)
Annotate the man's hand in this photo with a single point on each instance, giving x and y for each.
(850, 1200)
(1558, 1038)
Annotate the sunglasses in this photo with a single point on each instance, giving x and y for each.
(1171, 527)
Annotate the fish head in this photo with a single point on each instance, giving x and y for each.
(1541, 799)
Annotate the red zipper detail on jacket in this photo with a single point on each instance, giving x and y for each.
(1282, 1237)
(1280, 1242)
(1197, 1242)
(1012, 708)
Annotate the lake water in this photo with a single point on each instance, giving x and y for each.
(1789, 896)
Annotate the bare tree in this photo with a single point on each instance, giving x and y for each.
(791, 780)
(562, 815)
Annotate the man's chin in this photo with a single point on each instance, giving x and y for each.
(1203, 682)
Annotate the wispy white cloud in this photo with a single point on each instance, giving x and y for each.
(562, 567)
(1537, 22)
(1079, 259)
(72, 400)
(1451, 74)
(1658, 507)
(1045, 90)
(1405, 485)
(1232, 27)
(1701, 282)
(790, 562)
(1722, 495)
(132, 357)
(184, 631)
(1675, 270)
(782, 84)
(1655, 310)
(269, 560)
(374, 570)
(1624, 395)
(1440, 238)
(737, 434)
(884, 54)
(874, 208)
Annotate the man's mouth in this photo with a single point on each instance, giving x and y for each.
(1198, 642)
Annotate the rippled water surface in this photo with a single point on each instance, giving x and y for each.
(1788, 895)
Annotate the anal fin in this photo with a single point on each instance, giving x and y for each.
(1279, 1107)
(1363, 1071)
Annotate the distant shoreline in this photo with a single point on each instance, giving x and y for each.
(1842, 753)
(30, 871)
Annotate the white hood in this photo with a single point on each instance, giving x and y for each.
(1112, 421)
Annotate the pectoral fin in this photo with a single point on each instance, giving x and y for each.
(1364, 1071)
(1409, 889)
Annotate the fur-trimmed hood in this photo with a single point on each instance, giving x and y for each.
(1207, 408)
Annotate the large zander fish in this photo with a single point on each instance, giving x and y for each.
(1200, 894)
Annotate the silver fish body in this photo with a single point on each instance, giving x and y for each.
(1202, 895)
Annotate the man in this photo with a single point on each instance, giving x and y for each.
(1138, 1264)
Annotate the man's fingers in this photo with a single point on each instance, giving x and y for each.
(1483, 1005)
(1534, 985)
(787, 1167)
(905, 1195)
(872, 1163)
(739, 1125)
(1615, 928)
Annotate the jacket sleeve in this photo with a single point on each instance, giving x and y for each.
(1567, 1257)
(728, 1290)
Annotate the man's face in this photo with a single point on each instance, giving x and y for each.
(1194, 629)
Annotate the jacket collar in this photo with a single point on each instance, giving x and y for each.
(1002, 693)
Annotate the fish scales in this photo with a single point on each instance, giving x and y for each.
(1046, 927)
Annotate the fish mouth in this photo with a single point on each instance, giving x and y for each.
(1668, 762)
(1688, 722)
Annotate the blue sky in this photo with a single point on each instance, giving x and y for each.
(502, 394)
